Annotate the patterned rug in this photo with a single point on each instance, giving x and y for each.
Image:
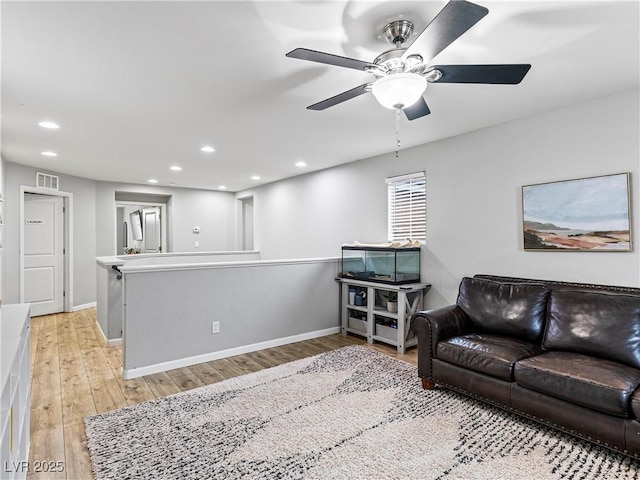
(347, 414)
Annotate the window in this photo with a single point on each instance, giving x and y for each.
(407, 207)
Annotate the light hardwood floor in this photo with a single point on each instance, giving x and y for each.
(76, 374)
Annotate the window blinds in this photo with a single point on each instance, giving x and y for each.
(407, 207)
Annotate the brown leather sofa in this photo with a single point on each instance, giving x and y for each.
(564, 354)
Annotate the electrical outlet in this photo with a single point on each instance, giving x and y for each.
(215, 327)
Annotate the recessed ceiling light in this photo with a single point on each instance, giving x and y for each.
(255, 177)
(301, 164)
(152, 180)
(222, 187)
(50, 125)
(175, 168)
(49, 154)
(208, 149)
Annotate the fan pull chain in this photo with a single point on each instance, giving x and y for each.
(397, 131)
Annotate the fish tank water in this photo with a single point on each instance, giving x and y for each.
(393, 266)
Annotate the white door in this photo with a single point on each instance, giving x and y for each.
(151, 230)
(43, 270)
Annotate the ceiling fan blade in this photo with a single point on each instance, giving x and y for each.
(329, 59)
(494, 74)
(417, 110)
(452, 21)
(341, 97)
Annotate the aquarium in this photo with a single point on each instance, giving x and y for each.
(382, 264)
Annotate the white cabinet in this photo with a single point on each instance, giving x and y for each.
(365, 311)
(15, 322)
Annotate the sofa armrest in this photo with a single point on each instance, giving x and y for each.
(432, 326)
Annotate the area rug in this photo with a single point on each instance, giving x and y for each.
(351, 413)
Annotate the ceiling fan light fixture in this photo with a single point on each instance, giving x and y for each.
(399, 90)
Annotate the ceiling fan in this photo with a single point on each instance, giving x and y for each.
(402, 73)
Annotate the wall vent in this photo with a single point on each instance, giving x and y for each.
(44, 180)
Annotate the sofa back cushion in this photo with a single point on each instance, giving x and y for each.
(512, 309)
(606, 325)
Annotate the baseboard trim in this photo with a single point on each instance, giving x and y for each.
(128, 374)
(104, 337)
(114, 342)
(77, 308)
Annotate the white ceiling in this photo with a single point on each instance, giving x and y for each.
(140, 86)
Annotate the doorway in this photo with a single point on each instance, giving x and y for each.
(140, 227)
(246, 223)
(45, 253)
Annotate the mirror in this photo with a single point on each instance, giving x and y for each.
(136, 224)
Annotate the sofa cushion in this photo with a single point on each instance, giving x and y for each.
(606, 325)
(492, 355)
(510, 309)
(591, 382)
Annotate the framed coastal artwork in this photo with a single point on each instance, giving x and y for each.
(585, 214)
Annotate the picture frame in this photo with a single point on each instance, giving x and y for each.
(591, 214)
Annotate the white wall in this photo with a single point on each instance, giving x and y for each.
(94, 224)
(212, 211)
(168, 312)
(474, 213)
(474, 198)
(84, 231)
(312, 215)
